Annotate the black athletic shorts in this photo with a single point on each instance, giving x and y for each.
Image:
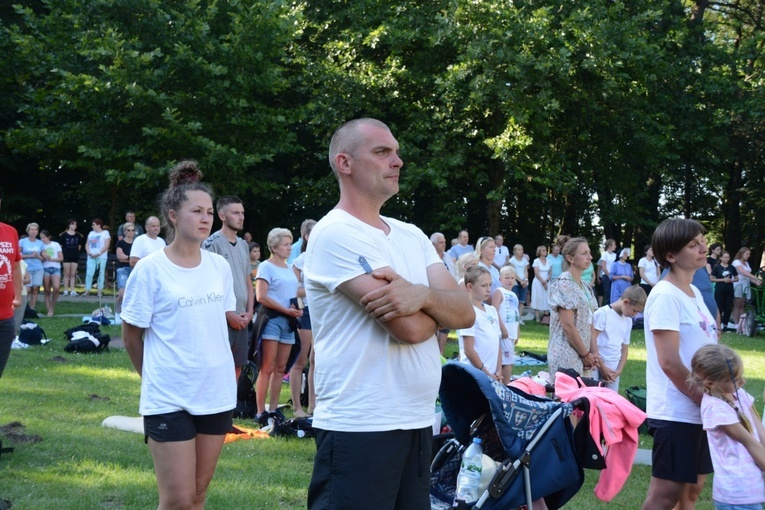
(182, 426)
(680, 451)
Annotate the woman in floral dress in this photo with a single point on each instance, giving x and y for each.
(572, 305)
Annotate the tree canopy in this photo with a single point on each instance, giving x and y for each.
(528, 118)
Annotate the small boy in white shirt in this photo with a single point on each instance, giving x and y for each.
(611, 329)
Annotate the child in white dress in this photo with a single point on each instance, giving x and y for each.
(506, 303)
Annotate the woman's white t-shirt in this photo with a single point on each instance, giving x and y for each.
(650, 270)
(485, 333)
(609, 258)
(669, 308)
(743, 282)
(187, 361)
(52, 249)
(96, 242)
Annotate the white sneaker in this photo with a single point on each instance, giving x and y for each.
(732, 326)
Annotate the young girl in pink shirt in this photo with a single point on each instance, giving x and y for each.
(734, 430)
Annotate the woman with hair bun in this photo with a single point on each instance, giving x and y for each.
(175, 332)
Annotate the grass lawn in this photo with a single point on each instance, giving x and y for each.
(64, 459)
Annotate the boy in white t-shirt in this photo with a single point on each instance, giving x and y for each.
(479, 345)
(611, 329)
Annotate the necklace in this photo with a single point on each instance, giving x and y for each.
(587, 295)
(685, 289)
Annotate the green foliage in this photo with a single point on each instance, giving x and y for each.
(530, 117)
(120, 90)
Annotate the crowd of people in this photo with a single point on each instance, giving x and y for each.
(383, 298)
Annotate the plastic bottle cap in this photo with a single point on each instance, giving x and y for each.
(477, 440)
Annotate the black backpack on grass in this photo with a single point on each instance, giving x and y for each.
(31, 333)
(245, 392)
(89, 327)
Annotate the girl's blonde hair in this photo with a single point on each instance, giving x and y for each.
(463, 261)
(540, 248)
(713, 365)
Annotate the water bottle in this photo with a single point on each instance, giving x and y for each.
(470, 473)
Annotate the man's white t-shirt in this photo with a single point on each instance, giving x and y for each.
(366, 380)
(613, 331)
(187, 361)
(651, 271)
(486, 333)
(669, 308)
(144, 245)
(500, 255)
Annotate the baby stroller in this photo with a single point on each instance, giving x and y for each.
(531, 436)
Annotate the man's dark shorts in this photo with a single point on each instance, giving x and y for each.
(239, 339)
(182, 426)
(371, 470)
(680, 451)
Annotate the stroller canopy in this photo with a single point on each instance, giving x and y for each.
(467, 394)
(516, 428)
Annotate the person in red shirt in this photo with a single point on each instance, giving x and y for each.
(10, 287)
